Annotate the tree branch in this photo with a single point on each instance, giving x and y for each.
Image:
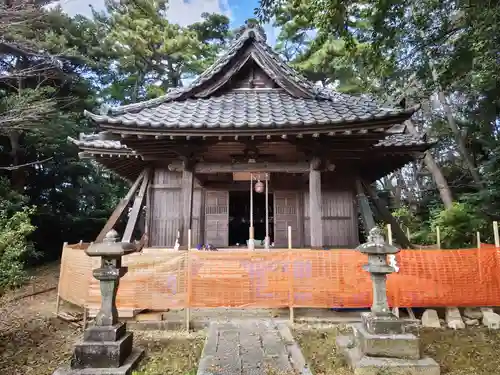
(14, 167)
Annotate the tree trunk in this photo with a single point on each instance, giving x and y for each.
(437, 174)
(17, 179)
(401, 186)
(462, 148)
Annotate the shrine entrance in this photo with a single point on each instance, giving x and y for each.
(239, 218)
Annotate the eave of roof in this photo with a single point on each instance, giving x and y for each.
(96, 144)
(247, 109)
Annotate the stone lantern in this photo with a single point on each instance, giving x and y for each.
(381, 343)
(107, 346)
(381, 319)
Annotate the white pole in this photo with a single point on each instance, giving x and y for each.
(267, 239)
(251, 233)
(392, 259)
(438, 237)
(389, 234)
(290, 237)
(495, 233)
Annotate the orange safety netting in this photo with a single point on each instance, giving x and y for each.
(161, 279)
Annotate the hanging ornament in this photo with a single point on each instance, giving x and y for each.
(259, 187)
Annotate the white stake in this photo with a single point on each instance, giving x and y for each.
(267, 239)
(389, 234)
(495, 233)
(438, 238)
(251, 232)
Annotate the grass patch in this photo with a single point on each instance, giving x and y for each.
(318, 347)
(465, 352)
(173, 356)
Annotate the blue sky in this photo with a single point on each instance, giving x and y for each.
(241, 10)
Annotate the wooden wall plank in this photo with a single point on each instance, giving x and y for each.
(339, 219)
(166, 208)
(315, 200)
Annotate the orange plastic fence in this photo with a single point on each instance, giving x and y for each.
(161, 279)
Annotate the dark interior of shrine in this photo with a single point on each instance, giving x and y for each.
(239, 217)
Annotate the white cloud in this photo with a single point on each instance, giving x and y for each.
(186, 12)
(183, 12)
(74, 7)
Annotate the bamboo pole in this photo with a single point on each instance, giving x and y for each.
(389, 234)
(290, 287)
(496, 234)
(267, 239)
(58, 298)
(58, 302)
(188, 294)
(251, 230)
(408, 234)
(438, 237)
(395, 310)
(478, 237)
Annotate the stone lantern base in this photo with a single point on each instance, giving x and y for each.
(105, 350)
(381, 344)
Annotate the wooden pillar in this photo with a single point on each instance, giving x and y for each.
(364, 207)
(187, 186)
(149, 205)
(315, 214)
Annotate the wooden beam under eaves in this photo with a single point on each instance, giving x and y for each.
(285, 167)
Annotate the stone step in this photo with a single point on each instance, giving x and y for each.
(250, 348)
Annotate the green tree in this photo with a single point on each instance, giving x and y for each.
(151, 54)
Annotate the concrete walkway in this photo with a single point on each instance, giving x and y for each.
(257, 347)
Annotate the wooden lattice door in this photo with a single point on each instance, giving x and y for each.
(217, 217)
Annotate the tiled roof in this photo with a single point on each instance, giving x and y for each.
(96, 141)
(298, 102)
(246, 35)
(252, 108)
(402, 140)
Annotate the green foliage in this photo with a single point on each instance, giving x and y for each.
(148, 54)
(458, 225)
(14, 246)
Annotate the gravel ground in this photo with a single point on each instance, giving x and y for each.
(32, 339)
